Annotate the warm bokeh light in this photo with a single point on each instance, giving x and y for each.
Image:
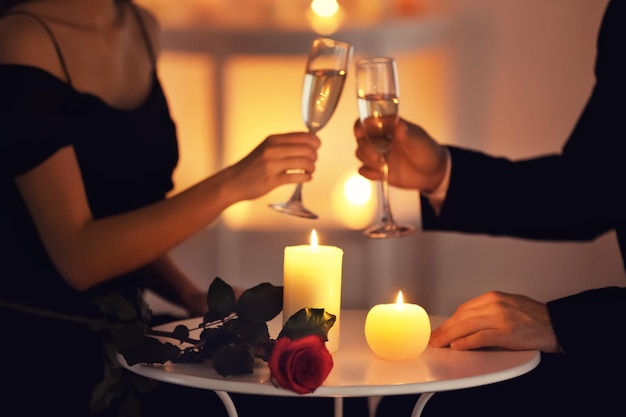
(187, 79)
(254, 108)
(358, 190)
(325, 16)
(262, 96)
(352, 204)
(325, 8)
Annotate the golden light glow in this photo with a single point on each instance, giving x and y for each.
(352, 204)
(186, 81)
(325, 8)
(325, 16)
(341, 198)
(358, 190)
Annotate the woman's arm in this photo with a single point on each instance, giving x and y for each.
(87, 251)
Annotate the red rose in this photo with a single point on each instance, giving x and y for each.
(300, 365)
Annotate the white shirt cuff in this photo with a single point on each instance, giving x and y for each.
(438, 195)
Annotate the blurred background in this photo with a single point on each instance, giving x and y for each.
(508, 77)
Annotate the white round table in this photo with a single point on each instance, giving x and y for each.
(357, 371)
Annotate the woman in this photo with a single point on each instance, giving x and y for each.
(88, 148)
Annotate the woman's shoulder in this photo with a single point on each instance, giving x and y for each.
(151, 23)
(25, 41)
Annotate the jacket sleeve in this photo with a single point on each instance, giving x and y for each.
(537, 198)
(591, 322)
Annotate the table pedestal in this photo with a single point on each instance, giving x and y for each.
(338, 410)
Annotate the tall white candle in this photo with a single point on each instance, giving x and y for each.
(312, 278)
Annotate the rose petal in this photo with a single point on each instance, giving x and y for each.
(301, 365)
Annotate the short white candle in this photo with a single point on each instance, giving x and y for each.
(312, 278)
(397, 331)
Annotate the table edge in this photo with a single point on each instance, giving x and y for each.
(225, 384)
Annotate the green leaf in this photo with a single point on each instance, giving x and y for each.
(308, 321)
(261, 302)
(252, 333)
(264, 350)
(115, 305)
(233, 360)
(220, 300)
(215, 337)
(131, 342)
(149, 350)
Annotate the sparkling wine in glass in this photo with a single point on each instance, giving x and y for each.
(324, 77)
(378, 101)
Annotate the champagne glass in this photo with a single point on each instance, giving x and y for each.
(324, 77)
(378, 100)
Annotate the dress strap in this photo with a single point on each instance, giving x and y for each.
(52, 38)
(144, 33)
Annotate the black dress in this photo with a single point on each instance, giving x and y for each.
(126, 158)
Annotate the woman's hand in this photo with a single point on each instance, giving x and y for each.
(278, 160)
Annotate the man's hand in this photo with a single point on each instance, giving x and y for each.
(416, 161)
(497, 319)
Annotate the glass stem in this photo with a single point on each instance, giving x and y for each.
(296, 197)
(297, 193)
(384, 191)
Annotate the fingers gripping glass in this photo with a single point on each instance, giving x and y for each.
(324, 77)
(378, 101)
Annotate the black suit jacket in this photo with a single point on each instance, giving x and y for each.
(578, 194)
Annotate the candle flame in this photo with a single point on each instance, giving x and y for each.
(399, 300)
(313, 241)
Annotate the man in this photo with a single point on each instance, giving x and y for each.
(578, 194)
